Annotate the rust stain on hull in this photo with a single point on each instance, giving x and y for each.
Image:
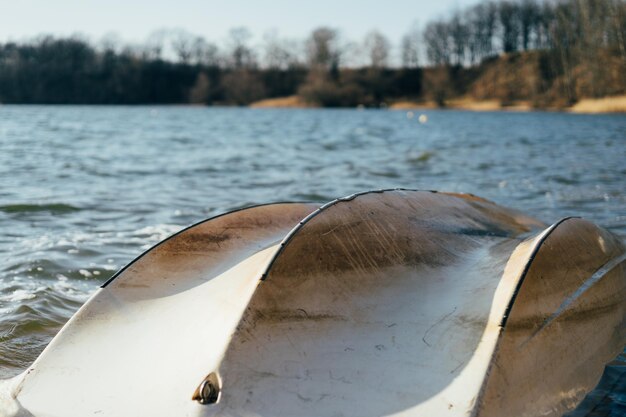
(393, 302)
(545, 344)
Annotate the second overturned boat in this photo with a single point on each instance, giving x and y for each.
(386, 303)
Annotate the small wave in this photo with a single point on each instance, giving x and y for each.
(313, 197)
(564, 180)
(147, 236)
(385, 174)
(18, 290)
(18, 295)
(32, 316)
(53, 208)
(46, 263)
(422, 158)
(157, 232)
(271, 184)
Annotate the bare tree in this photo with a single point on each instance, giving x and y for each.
(490, 18)
(377, 47)
(475, 30)
(182, 44)
(437, 42)
(155, 44)
(482, 20)
(410, 48)
(353, 54)
(508, 12)
(617, 25)
(204, 53)
(564, 40)
(529, 16)
(111, 42)
(459, 36)
(545, 22)
(280, 53)
(241, 55)
(323, 48)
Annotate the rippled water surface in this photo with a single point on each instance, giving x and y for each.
(84, 190)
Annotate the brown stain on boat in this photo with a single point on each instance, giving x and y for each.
(334, 269)
(181, 261)
(543, 332)
(364, 295)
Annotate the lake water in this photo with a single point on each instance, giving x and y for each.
(84, 190)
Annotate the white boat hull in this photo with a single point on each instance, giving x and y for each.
(386, 303)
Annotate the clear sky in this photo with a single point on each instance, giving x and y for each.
(134, 20)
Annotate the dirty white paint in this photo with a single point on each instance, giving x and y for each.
(142, 344)
(384, 304)
(400, 318)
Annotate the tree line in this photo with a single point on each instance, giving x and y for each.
(573, 36)
(569, 49)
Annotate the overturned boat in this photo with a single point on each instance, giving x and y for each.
(397, 302)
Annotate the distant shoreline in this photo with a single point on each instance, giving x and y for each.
(509, 81)
(604, 105)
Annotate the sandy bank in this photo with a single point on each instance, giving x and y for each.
(488, 105)
(281, 102)
(463, 104)
(412, 105)
(614, 104)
